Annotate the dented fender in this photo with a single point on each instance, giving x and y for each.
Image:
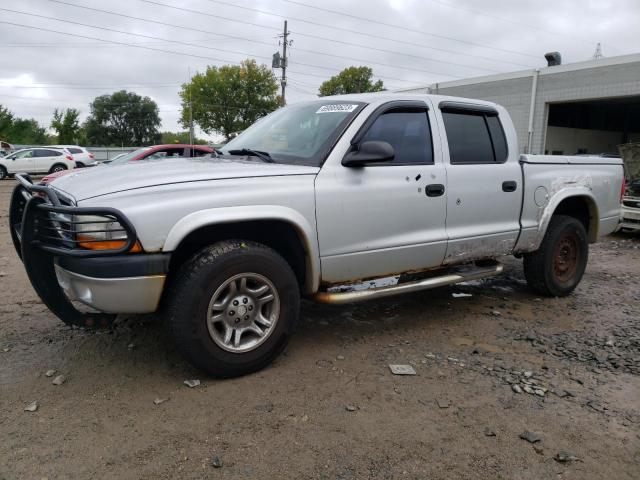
(222, 215)
(560, 189)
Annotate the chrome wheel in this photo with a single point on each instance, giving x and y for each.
(243, 312)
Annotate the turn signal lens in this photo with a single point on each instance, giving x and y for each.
(90, 243)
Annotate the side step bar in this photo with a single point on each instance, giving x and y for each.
(448, 278)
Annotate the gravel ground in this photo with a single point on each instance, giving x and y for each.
(508, 385)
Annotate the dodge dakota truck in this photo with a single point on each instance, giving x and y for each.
(314, 200)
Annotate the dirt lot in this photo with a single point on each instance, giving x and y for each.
(330, 408)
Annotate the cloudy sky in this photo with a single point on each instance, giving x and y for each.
(63, 53)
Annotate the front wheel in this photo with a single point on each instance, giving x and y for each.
(3, 173)
(232, 308)
(556, 268)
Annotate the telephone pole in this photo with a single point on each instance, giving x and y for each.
(190, 111)
(280, 61)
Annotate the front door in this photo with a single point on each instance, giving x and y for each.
(378, 220)
(22, 161)
(484, 184)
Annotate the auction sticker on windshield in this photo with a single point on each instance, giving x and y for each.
(339, 107)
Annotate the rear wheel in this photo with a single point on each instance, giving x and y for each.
(556, 268)
(57, 168)
(3, 173)
(232, 308)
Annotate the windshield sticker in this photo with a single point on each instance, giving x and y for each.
(339, 107)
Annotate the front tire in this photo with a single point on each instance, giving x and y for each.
(556, 268)
(3, 173)
(232, 308)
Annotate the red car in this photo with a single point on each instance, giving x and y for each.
(149, 153)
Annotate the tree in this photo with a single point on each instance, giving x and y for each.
(6, 123)
(123, 118)
(66, 125)
(180, 137)
(228, 99)
(351, 80)
(27, 131)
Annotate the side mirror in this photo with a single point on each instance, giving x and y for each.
(373, 151)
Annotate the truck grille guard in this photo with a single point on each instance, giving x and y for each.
(43, 225)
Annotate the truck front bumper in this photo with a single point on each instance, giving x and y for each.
(136, 286)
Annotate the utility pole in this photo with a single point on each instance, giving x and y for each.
(190, 112)
(280, 61)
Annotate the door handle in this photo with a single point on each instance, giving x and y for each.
(434, 190)
(509, 186)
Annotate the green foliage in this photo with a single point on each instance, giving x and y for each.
(351, 80)
(228, 99)
(123, 118)
(17, 130)
(180, 137)
(6, 123)
(66, 125)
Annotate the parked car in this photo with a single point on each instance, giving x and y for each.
(311, 200)
(5, 148)
(631, 199)
(156, 152)
(81, 155)
(37, 160)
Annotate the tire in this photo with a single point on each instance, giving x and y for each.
(58, 167)
(80, 165)
(205, 278)
(3, 173)
(556, 268)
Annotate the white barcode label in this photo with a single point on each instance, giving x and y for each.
(339, 107)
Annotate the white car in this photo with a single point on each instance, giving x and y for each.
(81, 155)
(37, 160)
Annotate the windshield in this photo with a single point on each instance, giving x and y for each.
(299, 134)
(119, 160)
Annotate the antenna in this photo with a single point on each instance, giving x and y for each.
(598, 54)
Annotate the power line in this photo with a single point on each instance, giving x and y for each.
(331, 55)
(502, 19)
(343, 42)
(172, 41)
(422, 32)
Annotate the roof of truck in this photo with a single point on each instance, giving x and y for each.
(382, 97)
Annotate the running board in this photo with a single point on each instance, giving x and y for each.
(462, 275)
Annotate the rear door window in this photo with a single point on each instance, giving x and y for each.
(408, 132)
(474, 137)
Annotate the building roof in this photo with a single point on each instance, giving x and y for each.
(569, 67)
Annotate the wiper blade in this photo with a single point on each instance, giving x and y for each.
(264, 156)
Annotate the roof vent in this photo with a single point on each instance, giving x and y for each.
(553, 59)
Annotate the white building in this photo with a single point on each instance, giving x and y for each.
(585, 107)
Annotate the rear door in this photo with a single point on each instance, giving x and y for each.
(46, 158)
(483, 181)
(378, 219)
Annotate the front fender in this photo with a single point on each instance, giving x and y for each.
(213, 216)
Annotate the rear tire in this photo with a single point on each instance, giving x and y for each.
(556, 268)
(3, 173)
(226, 288)
(58, 167)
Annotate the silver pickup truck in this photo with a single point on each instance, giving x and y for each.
(313, 200)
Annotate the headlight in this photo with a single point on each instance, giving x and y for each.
(95, 232)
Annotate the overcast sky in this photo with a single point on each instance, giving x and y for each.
(422, 41)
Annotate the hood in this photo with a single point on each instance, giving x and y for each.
(93, 182)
